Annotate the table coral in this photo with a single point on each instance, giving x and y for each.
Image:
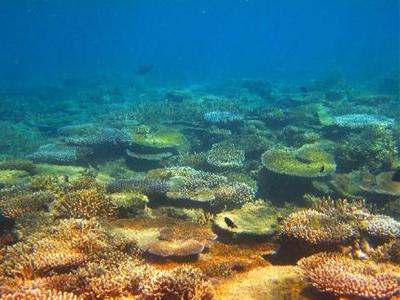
(309, 161)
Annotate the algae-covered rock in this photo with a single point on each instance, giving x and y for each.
(309, 161)
(253, 221)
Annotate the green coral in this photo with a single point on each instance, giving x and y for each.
(160, 139)
(309, 161)
(374, 148)
(18, 139)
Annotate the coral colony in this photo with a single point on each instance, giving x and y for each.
(198, 195)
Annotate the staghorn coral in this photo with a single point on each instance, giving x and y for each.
(25, 203)
(85, 199)
(63, 248)
(341, 275)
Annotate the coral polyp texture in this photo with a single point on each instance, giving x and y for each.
(344, 276)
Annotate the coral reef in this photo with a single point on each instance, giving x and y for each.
(252, 222)
(353, 121)
(374, 147)
(223, 117)
(343, 276)
(309, 161)
(223, 155)
(61, 154)
(203, 188)
(114, 188)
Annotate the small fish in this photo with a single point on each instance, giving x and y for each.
(396, 176)
(322, 169)
(230, 223)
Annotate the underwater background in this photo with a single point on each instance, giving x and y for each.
(172, 149)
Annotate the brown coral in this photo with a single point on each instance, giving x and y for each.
(341, 275)
(38, 294)
(189, 249)
(180, 283)
(86, 203)
(25, 203)
(316, 228)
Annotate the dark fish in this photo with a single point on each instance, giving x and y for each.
(396, 176)
(303, 89)
(230, 223)
(143, 70)
(322, 169)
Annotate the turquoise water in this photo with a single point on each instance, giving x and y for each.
(199, 149)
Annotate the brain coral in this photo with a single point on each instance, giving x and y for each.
(309, 161)
(341, 275)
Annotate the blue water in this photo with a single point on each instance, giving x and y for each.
(198, 41)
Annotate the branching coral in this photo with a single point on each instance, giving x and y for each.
(316, 228)
(60, 153)
(341, 275)
(25, 203)
(381, 227)
(223, 155)
(203, 188)
(374, 147)
(180, 283)
(39, 294)
(85, 199)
